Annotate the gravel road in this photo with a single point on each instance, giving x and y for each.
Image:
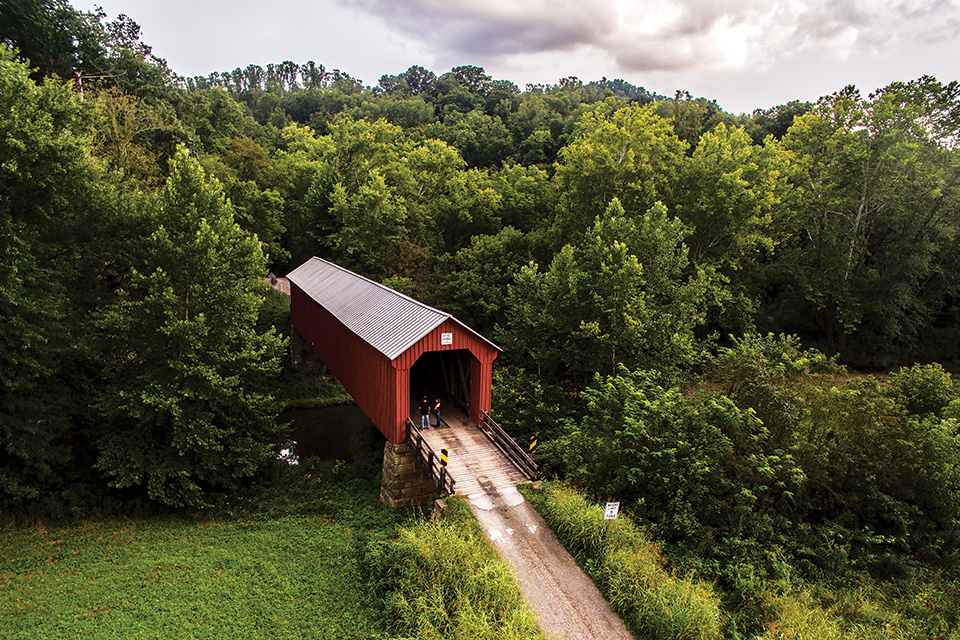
(567, 604)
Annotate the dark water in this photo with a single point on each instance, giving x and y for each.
(330, 433)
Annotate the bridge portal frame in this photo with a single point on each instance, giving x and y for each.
(375, 371)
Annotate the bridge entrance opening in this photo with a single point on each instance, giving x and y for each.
(443, 373)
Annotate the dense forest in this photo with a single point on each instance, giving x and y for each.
(742, 326)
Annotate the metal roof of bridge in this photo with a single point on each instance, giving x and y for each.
(387, 320)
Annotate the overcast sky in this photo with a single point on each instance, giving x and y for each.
(746, 54)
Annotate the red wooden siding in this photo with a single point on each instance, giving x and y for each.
(381, 387)
(481, 369)
(365, 372)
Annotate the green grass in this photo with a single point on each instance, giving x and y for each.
(629, 569)
(308, 553)
(293, 577)
(443, 580)
(281, 560)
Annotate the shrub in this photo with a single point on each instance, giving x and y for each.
(922, 389)
(797, 618)
(442, 579)
(629, 569)
(883, 484)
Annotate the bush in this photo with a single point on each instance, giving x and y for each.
(274, 312)
(922, 389)
(628, 568)
(442, 579)
(879, 483)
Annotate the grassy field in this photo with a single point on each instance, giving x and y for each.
(291, 577)
(266, 565)
(443, 579)
(309, 554)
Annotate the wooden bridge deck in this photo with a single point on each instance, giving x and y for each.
(481, 470)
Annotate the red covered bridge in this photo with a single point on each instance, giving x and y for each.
(385, 347)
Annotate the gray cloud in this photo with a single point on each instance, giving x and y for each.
(671, 35)
(847, 28)
(497, 27)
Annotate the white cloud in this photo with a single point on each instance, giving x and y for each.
(658, 35)
(744, 53)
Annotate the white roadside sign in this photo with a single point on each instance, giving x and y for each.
(610, 513)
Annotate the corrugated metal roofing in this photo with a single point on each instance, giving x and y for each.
(387, 320)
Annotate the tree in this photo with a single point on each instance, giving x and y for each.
(211, 119)
(735, 195)
(629, 153)
(131, 134)
(501, 99)
(472, 78)
(527, 193)
(59, 40)
(621, 89)
(187, 408)
(58, 212)
(314, 76)
(52, 35)
(414, 81)
(622, 295)
(737, 199)
(251, 179)
(407, 113)
(419, 80)
(879, 184)
(695, 466)
(469, 204)
(688, 116)
(538, 130)
(476, 278)
(775, 121)
(375, 198)
(482, 141)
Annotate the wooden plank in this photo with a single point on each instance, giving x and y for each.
(474, 460)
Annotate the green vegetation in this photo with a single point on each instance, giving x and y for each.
(443, 580)
(629, 569)
(646, 591)
(685, 298)
(291, 577)
(280, 560)
(788, 483)
(310, 554)
(187, 404)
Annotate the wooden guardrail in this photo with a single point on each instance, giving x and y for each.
(431, 460)
(508, 445)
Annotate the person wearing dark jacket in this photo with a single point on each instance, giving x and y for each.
(424, 413)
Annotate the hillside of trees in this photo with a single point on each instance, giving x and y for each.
(687, 299)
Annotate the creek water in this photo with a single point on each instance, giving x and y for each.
(331, 433)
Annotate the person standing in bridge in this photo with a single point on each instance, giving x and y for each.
(424, 413)
(436, 412)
